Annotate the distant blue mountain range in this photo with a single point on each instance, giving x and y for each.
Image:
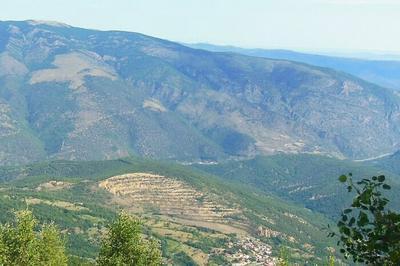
(381, 72)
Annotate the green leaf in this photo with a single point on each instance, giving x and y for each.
(362, 219)
(352, 221)
(340, 224)
(346, 231)
(347, 211)
(386, 186)
(381, 178)
(356, 203)
(342, 178)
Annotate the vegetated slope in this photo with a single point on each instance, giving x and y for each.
(77, 94)
(385, 73)
(309, 180)
(83, 196)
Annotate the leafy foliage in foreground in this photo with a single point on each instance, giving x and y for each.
(21, 245)
(124, 245)
(369, 233)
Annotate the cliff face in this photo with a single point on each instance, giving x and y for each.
(73, 93)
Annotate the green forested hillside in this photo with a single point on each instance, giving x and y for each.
(82, 209)
(308, 180)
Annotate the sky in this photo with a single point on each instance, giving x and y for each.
(308, 25)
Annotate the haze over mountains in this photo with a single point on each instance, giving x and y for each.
(383, 70)
(72, 93)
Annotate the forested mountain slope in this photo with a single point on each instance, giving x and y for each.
(78, 94)
(308, 180)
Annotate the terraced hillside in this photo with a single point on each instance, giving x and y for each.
(171, 197)
(208, 221)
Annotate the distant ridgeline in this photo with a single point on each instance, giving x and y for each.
(78, 94)
(381, 70)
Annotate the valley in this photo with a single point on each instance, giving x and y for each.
(227, 156)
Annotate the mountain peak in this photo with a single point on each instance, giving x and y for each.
(48, 23)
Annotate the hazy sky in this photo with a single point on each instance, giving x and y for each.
(298, 24)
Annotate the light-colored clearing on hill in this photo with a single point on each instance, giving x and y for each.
(53, 185)
(11, 66)
(238, 229)
(49, 23)
(57, 203)
(179, 235)
(8, 126)
(93, 219)
(179, 231)
(173, 199)
(197, 255)
(73, 68)
(350, 87)
(154, 105)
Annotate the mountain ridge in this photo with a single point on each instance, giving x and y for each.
(72, 93)
(381, 72)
